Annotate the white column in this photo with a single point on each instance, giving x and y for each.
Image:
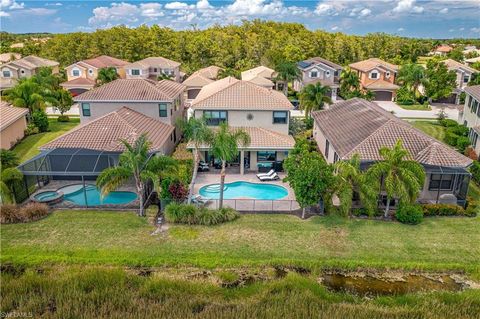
(242, 162)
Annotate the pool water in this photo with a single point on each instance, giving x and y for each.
(75, 194)
(46, 196)
(237, 190)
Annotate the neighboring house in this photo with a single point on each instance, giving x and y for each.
(10, 56)
(442, 50)
(319, 70)
(163, 101)
(13, 122)
(471, 116)
(464, 74)
(263, 113)
(471, 61)
(152, 68)
(470, 49)
(105, 133)
(377, 76)
(357, 126)
(23, 68)
(82, 75)
(261, 76)
(199, 79)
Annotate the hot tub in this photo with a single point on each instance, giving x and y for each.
(49, 197)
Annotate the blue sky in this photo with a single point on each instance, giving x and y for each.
(413, 18)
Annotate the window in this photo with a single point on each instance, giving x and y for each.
(214, 118)
(335, 73)
(22, 71)
(314, 74)
(75, 72)
(90, 71)
(387, 74)
(6, 73)
(474, 106)
(135, 72)
(280, 117)
(466, 78)
(335, 157)
(327, 146)
(162, 109)
(86, 109)
(473, 136)
(374, 75)
(155, 70)
(440, 182)
(175, 136)
(327, 73)
(266, 156)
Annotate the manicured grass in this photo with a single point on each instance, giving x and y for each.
(28, 147)
(416, 107)
(431, 128)
(95, 237)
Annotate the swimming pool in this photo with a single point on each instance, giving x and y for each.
(76, 195)
(237, 190)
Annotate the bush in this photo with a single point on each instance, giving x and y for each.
(473, 208)
(192, 215)
(448, 123)
(63, 118)
(462, 143)
(475, 170)
(405, 96)
(10, 214)
(409, 214)
(31, 129)
(40, 119)
(443, 210)
(451, 138)
(8, 159)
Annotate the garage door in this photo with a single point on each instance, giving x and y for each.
(383, 96)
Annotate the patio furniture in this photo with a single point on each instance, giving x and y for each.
(271, 172)
(272, 177)
(200, 200)
(203, 167)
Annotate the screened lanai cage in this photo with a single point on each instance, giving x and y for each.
(71, 173)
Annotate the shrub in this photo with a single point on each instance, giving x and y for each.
(31, 129)
(443, 210)
(209, 217)
(409, 214)
(448, 122)
(34, 211)
(9, 214)
(40, 119)
(192, 215)
(473, 208)
(181, 213)
(8, 159)
(451, 138)
(178, 191)
(63, 118)
(462, 143)
(405, 96)
(229, 214)
(475, 170)
(460, 130)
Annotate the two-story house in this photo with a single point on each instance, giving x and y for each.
(357, 126)
(319, 70)
(464, 74)
(153, 68)
(262, 76)
(82, 75)
(471, 116)
(199, 79)
(23, 68)
(162, 101)
(377, 76)
(263, 113)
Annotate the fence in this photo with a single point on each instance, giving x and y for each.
(257, 205)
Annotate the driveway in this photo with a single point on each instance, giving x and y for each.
(451, 112)
(73, 110)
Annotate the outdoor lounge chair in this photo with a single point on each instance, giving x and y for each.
(271, 172)
(200, 200)
(272, 177)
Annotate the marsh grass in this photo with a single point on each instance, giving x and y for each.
(100, 292)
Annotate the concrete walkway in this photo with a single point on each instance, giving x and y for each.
(451, 111)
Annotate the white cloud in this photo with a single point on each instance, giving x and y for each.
(55, 4)
(4, 14)
(203, 4)
(400, 29)
(11, 5)
(255, 8)
(443, 11)
(475, 30)
(461, 29)
(407, 6)
(117, 12)
(178, 6)
(323, 9)
(151, 10)
(36, 12)
(334, 28)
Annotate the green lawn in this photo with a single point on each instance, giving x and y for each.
(416, 107)
(114, 238)
(431, 128)
(28, 147)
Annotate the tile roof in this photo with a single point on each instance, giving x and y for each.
(473, 91)
(32, 62)
(473, 60)
(261, 70)
(133, 90)
(232, 94)
(104, 61)
(203, 76)
(261, 138)
(10, 114)
(79, 81)
(7, 57)
(316, 60)
(455, 65)
(259, 80)
(154, 62)
(105, 132)
(367, 65)
(444, 48)
(363, 127)
(382, 84)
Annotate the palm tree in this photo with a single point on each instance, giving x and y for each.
(349, 81)
(350, 179)
(46, 79)
(313, 97)
(224, 145)
(7, 178)
(412, 75)
(287, 72)
(402, 178)
(135, 162)
(196, 132)
(27, 93)
(106, 75)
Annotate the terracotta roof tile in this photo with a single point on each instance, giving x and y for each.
(316, 60)
(105, 133)
(9, 114)
(367, 65)
(79, 81)
(154, 62)
(382, 84)
(32, 62)
(261, 70)
(104, 61)
(455, 65)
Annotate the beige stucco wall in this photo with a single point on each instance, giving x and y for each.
(149, 72)
(321, 142)
(262, 119)
(365, 76)
(13, 133)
